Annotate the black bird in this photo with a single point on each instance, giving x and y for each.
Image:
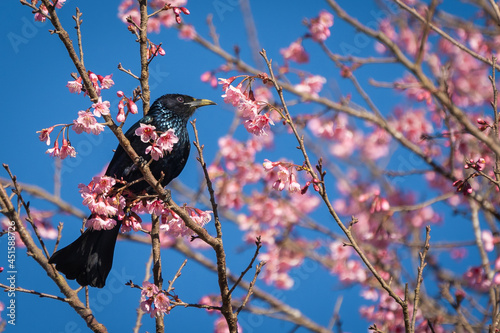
(89, 258)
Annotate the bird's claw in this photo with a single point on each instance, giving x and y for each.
(140, 161)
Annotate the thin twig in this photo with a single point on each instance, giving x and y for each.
(259, 245)
(226, 309)
(79, 33)
(416, 297)
(250, 288)
(176, 276)
(147, 276)
(7, 288)
(128, 71)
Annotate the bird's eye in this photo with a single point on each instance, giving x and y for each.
(180, 99)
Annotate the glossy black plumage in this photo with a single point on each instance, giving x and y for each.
(90, 257)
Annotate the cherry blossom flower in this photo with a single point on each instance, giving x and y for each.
(54, 152)
(155, 151)
(106, 81)
(45, 134)
(75, 86)
(279, 262)
(320, 27)
(376, 144)
(155, 207)
(478, 165)
(255, 122)
(285, 175)
(172, 224)
(488, 240)
(295, 52)
(311, 85)
(477, 279)
(87, 123)
(131, 222)
(101, 108)
(187, 31)
(154, 301)
(132, 107)
(220, 325)
(67, 150)
(463, 186)
(412, 123)
(60, 3)
(98, 222)
(40, 16)
(146, 132)
(209, 76)
(102, 184)
(167, 140)
(162, 303)
(120, 117)
(149, 289)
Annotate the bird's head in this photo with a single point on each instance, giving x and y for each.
(182, 105)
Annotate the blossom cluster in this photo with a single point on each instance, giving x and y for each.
(319, 27)
(86, 121)
(42, 12)
(249, 109)
(129, 103)
(168, 13)
(160, 144)
(99, 83)
(171, 223)
(106, 206)
(154, 301)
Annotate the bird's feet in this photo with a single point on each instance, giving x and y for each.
(140, 161)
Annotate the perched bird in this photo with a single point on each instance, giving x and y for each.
(90, 257)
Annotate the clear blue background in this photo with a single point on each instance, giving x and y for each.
(35, 68)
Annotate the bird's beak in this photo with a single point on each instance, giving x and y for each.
(201, 102)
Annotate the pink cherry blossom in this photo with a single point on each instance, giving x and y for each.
(162, 303)
(45, 134)
(106, 81)
(54, 152)
(285, 175)
(476, 278)
(40, 16)
(167, 140)
(132, 107)
(311, 85)
(320, 27)
(67, 150)
(98, 222)
(102, 184)
(220, 326)
(488, 240)
(172, 224)
(101, 108)
(155, 207)
(149, 289)
(131, 222)
(187, 31)
(120, 117)
(86, 122)
(75, 86)
(295, 52)
(146, 132)
(155, 151)
(233, 95)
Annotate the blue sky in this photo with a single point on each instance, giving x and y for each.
(35, 68)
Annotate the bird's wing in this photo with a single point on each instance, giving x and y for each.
(121, 165)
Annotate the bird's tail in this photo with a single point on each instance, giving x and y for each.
(89, 258)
